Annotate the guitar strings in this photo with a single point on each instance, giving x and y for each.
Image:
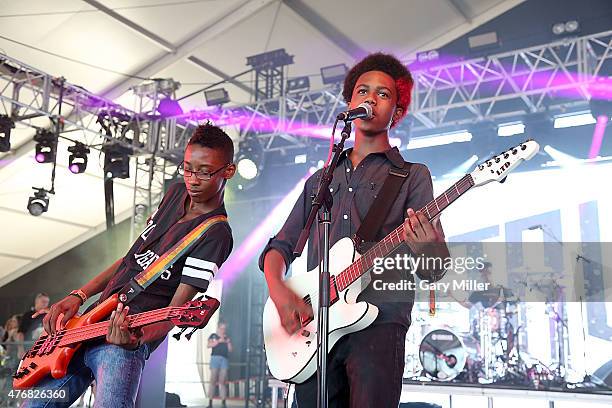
(97, 325)
(343, 279)
(69, 336)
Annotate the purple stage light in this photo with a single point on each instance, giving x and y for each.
(254, 243)
(40, 158)
(74, 168)
(598, 134)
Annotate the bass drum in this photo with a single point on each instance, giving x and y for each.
(442, 354)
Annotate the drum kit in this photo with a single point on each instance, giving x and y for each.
(488, 352)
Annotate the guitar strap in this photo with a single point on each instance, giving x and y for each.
(141, 281)
(380, 207)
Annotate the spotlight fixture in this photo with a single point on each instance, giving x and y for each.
(168, 107)
(216, 97)
(77, 161)
(39, 202)
(116, 161)
(333, 73)
(570, 27)
(600, 107)
(46, 145)
(426, 56)
(298, 85)
(247, 168)
(6, 124)
(249, 162)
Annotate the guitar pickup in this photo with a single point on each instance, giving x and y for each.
(304, 320)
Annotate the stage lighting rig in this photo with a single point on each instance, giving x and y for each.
(298, 85)
(333, 74)
(46, 145)
(216, 97)
(77, 162)
(6, 124)
(249, 162)
(116, 161)
(39, 202)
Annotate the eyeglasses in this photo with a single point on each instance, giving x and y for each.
(201, 175)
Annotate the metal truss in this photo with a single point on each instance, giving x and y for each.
(34, 93)
(559, 76)
(93, 120)
(280, 124)
(556, 76)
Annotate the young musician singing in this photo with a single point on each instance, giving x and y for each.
(364, 368)
(116, 363)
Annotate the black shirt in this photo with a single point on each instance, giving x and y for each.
(195, 268)
(354, 191)
(221, 348)
(29, 326)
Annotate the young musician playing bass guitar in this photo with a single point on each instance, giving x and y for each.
(365, 367)
(117, 363)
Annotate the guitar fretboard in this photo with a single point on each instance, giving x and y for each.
(395, 238)
(92, 331)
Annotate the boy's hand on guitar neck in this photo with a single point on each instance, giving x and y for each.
(118, 331)
(291, 308)
(68, 306)
(419, 232)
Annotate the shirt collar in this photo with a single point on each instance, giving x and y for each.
(393, 155)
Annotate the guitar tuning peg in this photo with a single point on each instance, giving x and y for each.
(178, 335)
(199, 298)
(188, 335)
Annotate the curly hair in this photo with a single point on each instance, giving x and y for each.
(391, 66)
(213, 137)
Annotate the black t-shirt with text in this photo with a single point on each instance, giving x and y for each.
(196, 268)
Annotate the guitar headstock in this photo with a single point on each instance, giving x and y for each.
(195, 313)
(498, 167)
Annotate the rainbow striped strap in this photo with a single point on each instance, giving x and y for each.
(141, 281)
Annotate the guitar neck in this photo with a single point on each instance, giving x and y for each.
(100, 329)
(395, 238)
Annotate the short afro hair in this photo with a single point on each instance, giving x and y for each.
(391, 66)
(213, 137)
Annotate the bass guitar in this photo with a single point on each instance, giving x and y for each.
(51, 354)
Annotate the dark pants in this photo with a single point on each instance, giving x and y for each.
(364, 370)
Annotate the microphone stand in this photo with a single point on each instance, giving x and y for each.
(323, 200)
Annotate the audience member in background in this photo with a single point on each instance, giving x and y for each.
(11, 341)
(221, 346)
(30, 327)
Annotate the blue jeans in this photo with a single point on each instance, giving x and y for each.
(116, 370)
(219, 362)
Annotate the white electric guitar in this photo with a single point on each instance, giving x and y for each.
(292, 357)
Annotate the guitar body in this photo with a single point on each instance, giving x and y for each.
(292, 357)
(37, 364)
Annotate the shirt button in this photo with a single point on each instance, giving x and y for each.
(351, 189)
(348, 170)
(331, 189)
(345, 217)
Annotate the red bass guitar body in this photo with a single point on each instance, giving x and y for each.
(48, 357)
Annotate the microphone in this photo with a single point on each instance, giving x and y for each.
(363, 111)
